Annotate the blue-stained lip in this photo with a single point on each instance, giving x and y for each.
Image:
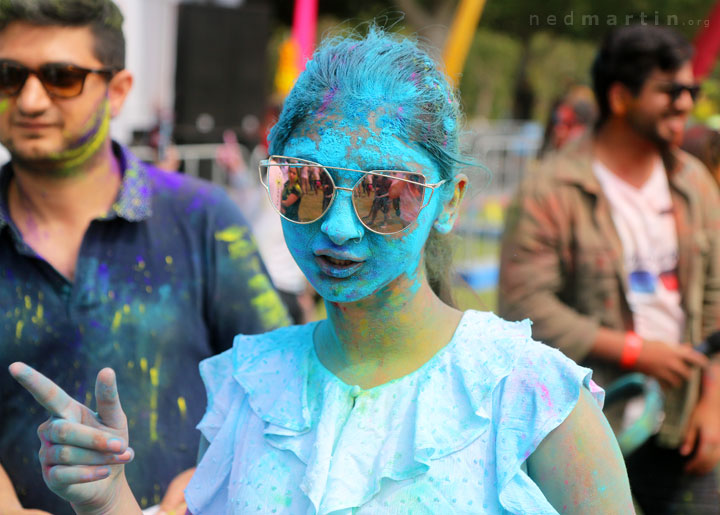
(337, 271)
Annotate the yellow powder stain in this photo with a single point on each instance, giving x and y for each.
(131, 365)
(169, 260)
(4, 104)
(143, 364)
(153, 425)
(271, 310)
(141, 308)
(88, 399)
(18, 329)
(140, 265)
(40, 313)
(155, 381)
(28, 303)
(182, 406)
(231, 234)
(148, 289)
(154, 377)
(241, 249)
(126, 309)
(116, 321)
(259, 283)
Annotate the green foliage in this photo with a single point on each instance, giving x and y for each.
(555, 65)
(486, 86)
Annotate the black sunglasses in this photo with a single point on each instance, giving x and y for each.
(675, 89)
(60, 80)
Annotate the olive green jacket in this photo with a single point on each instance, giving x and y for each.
(562, 266)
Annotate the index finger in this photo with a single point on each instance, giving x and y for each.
(229, 136)
(48, 394)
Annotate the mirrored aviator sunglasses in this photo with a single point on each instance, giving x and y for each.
(385, 201)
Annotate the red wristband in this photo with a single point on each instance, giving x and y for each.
(631, 350)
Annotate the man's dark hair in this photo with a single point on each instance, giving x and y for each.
(630, 54)
(102, 16)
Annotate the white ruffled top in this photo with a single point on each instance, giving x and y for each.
(288, 436)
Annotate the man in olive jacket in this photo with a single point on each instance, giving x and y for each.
(612, 249)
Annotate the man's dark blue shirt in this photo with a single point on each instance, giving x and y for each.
(164, 280)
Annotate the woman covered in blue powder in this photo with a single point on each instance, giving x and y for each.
(397, 402)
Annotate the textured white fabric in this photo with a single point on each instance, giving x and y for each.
(287, 436)
(645, 224)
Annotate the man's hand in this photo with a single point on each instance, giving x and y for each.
(82, 453)
(229, 155)
(669, 364)
(174, 501)
(703, 432)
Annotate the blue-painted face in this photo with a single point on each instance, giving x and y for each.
(343, 260)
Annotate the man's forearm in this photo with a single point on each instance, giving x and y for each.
(8, 498)
(608, 344)
(711, 383)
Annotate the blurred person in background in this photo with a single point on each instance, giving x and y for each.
(612, 248)
(704, 143)
(571, 117)
(104, 259)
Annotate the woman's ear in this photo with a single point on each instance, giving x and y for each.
(451, 209)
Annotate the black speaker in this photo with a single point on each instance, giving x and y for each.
(220, 76)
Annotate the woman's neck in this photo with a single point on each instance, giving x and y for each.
(386, 336)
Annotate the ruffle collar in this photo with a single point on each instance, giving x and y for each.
(351, 439)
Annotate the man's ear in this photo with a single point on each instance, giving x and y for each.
(619, 99)
(451, 209)
(118, 89)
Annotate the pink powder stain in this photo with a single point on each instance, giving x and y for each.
(326, 101)
(546, 395)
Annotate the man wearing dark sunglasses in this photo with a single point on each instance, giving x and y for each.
(612, 248)
(104, 259)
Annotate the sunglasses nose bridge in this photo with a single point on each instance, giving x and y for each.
(32, 90)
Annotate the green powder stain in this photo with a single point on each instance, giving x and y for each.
(96, 132)
(4, 105)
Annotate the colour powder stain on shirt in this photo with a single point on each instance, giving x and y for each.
(182, 406)
(546, 395)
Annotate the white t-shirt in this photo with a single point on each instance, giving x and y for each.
(645, 223)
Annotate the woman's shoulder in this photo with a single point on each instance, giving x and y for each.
(485, 332)
(526, 372)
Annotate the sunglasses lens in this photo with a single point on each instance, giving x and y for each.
(63, 81)
(388, 203)
(12, 78)
(300, 191)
